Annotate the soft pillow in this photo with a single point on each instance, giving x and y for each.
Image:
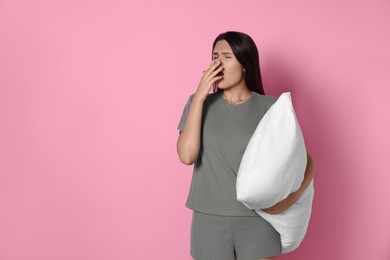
(272, 167)
(292, 223)
(275, 159)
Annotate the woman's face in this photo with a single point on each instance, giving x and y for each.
(232, 69)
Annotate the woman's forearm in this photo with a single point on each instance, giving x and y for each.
(188, 143)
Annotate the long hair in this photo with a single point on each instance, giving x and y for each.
(245, 50)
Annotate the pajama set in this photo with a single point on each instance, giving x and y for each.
(222, 227)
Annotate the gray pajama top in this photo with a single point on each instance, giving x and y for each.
(225, 133)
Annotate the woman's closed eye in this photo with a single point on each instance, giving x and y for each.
(227, 57)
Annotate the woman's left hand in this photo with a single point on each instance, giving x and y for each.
(282, 205)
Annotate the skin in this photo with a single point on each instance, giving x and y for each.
(235, 91)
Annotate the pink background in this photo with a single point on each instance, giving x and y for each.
(91, 93)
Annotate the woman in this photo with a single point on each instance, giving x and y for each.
(214, 131)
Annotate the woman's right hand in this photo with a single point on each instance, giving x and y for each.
(188, 143)
(208, 78)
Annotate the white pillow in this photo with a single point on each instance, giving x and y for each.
(292, 223)
(272, 167)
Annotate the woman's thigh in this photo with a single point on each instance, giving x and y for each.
(211, 237)
(254, 238)
(229, 238)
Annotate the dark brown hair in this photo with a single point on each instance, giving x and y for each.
(245, 50)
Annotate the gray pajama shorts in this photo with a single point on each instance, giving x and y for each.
(215, 237)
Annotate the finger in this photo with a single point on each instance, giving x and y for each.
(217, 62)
(214, 61)
(213, 66)
(215, 75)
(212, 73)
(214, 79)
(215, 72)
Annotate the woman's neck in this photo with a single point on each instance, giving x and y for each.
(236, 95)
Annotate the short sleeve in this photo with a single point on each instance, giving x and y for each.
(185, 113)
(271, 101)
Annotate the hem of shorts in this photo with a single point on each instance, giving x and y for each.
(222, 212)
(269, 254)
(195, 256)
(265, 256)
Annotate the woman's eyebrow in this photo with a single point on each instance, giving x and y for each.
(222, 53)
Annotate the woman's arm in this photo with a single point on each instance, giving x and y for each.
(293, 197)
(188, 143)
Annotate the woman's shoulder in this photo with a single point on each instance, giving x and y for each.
(268, 99)
(210, 96)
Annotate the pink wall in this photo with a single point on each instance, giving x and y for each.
(91, 93)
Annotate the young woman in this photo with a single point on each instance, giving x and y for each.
(214, 131)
